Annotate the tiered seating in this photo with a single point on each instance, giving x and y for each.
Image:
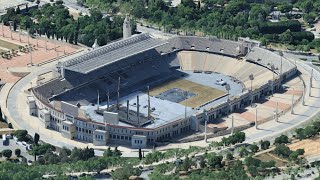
(268, 58)
(240, 69)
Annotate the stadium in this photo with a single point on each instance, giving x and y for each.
(141, 90)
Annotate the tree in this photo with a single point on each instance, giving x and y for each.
(36, 138)
(140, 154)
(117, 152)
(243, 152)
(215, 161)
(21, 134)
(283, 139)
(229, 156)
(125, 172)
(254, 148)
(7, 153)
(17, 152)
(108, 152)
(265, 144)
(282, 150)
(10, 126)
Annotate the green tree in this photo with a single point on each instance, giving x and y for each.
(282, 150)
(229, 156)
(21, 135)
(7, 153)
(108, 152)
(17, 152)
(140, 154)
(117, 152)
(215, 161)
(254, 148)
(36, 138)
(265, 144)
(283, 139)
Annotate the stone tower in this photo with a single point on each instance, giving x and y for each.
(126, 27)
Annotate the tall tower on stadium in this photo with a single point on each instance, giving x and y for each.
(126, 27)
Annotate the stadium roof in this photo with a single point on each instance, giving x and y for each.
(113, 52)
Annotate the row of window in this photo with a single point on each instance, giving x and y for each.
(66, 128)
(84, 130)
(99, 137)
(138, 141)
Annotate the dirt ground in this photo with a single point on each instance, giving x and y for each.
(268, 157)
(204, 93)
(310, 146)
(3, 125)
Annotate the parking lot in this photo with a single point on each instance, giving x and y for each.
(13, 144)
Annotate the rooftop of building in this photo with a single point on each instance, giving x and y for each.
(113, 52)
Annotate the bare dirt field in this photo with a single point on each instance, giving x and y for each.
(270, 157)
(311, 146)
(204, 93)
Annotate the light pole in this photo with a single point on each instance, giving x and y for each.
(19, 33)
(256, 124)
(277, 110)
(31, 63)
(2, 28)
(281, 56)
(303, 95)
(228, 89)
(310, 86)
(232, 125)
(205, 124)
(251, 79)
(11, 25)
(292, 102)
(272, 69)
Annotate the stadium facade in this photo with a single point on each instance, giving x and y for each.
(107, 95)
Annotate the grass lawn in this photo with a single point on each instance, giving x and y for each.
(8, 45)
(267, 157)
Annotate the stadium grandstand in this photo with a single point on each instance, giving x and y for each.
(141, 90)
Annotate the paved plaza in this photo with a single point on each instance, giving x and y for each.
(40, 55)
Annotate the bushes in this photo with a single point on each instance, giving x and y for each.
(237, 137)
(283, 139)
(280, 27)
(285, 152)
(41, 149)
(7, 153)
(21, 135)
